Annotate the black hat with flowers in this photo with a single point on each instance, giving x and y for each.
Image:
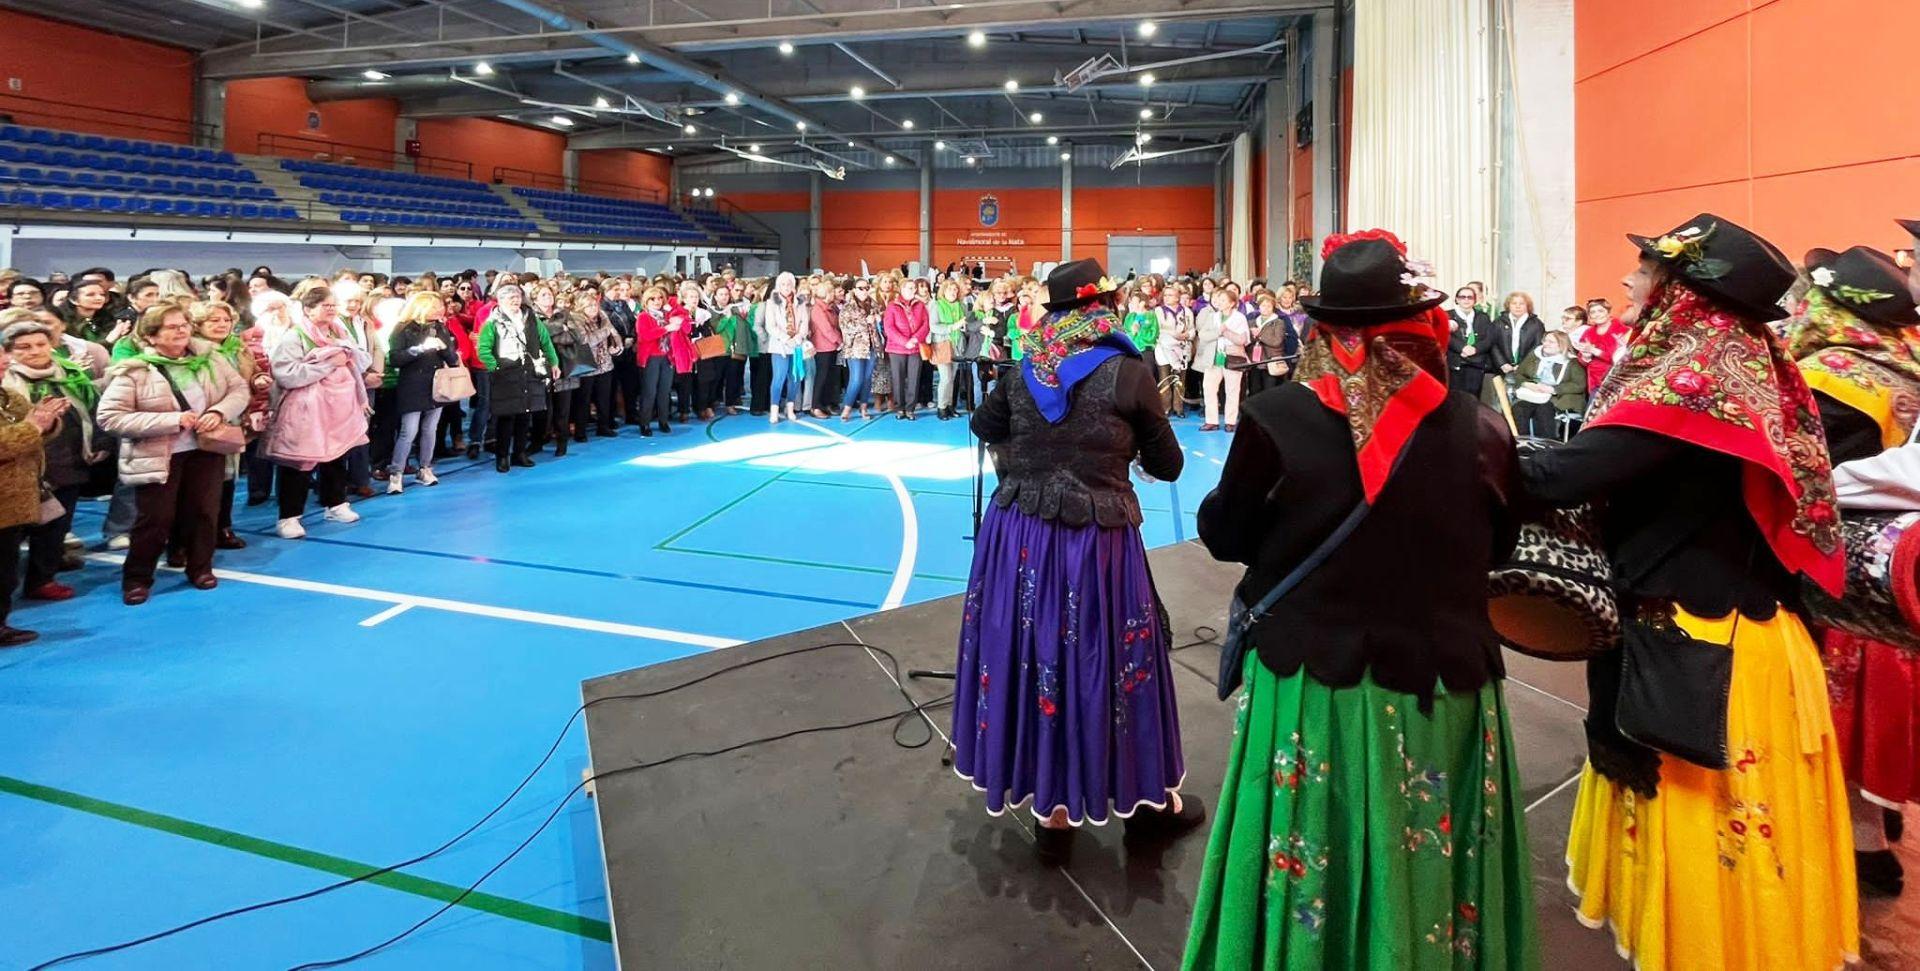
(1076, 284)
(1366, 280)
(1733, 265)
(1912, 226)
(1865, 281)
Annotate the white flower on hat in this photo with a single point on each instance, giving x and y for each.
(1823, 276)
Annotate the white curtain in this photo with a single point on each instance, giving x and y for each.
(1424, 127)
(1240, 231)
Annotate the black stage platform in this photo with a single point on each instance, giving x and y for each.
(846, 851)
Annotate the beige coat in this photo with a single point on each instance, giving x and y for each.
(138, 407)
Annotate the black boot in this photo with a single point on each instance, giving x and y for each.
(1894, 823)
(500, 463)
(523, 461)
(665, 428)
(1880, 873)
(473, 451)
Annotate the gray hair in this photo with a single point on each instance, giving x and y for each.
(23, 329)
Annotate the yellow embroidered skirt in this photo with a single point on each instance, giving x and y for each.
(1747, 868)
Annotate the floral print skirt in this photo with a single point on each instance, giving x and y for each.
(1746, 869)
(1063, 695)
(1355, 831)
(1875, 690)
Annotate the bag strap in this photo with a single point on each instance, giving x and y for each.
(168, 378)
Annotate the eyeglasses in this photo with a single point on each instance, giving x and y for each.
(1463, 296)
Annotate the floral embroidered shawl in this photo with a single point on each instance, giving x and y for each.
(1872, 369)
(1699, 374)
(1379, 384)
(1066, 347)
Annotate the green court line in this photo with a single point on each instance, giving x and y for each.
(845, 568)
(558, 920)
(988, 497)
(667, 544)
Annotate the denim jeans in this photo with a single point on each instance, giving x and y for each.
(423, 424)
(859, 381)
(478, 413)
(781, 388)
(121, 511)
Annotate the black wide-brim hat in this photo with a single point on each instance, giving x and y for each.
(1728, 262)
(1065, 285)
(1866, 282)
(1363, 283)
(1911, 226)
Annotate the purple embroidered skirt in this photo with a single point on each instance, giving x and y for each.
(1063, 690)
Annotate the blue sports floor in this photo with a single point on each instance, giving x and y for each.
(358, 698)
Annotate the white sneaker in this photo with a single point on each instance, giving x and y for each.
(773, 418)
(290, 529)
(342, 513)
(394, 485)
(119, 542)
(427, 478)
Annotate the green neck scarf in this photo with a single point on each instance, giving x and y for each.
(231, 347)
(196, 365)
(64, 377)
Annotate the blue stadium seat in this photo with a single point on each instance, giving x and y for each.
(53, 200)
(23, 197)
(66, 139)
(204, 209)
(40, 136)
(248, 210)
(113, 203)
(120, 145)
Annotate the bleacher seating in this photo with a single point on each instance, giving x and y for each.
(585, 215)
(377, 197)
(720, 227)
(48, 169)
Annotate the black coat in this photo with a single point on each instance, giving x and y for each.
(1532, 332)
(1404, 598)
(1468, 372)
(413, 384)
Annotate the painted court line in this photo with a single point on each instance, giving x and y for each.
(463, 607)
(386, 615)
(909, 527)
(507, 907)
(1556, 790)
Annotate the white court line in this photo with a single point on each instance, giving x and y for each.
(909, 527)
(1556, 790)
(386, 615)
(463, 607)
(1549, 694)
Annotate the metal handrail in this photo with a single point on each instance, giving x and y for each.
(542, 180)
(286, 145)
(64, 114)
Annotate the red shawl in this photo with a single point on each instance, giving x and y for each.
(1380, 385)
(1706, 377)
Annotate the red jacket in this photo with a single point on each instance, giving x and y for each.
(464, 329)
(649, 331)
(906, 326)
(680, 342)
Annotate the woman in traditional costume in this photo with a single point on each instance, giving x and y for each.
(1859, 351)
(1371, 816)
(1065, 694)
(1711, 827)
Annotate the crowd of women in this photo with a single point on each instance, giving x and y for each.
(1744, 772)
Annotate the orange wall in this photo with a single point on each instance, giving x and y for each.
(1185, 212)
(627, 167)
(1733, 106)
(487, 144)
(879, 226)
(148, 86)
(279, 106)
(772, 201)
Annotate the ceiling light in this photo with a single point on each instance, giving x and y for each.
(786, 47)
(253, 4)
(733, 97)
(857, 92)
(755, 147)
(1147, 27)
(889, 160)
(1146, 80)
(563, 121)
(907, 124)
(633, 58)
(1053, 139)
(709, 192)
(373, 75)
(1066, 156)
(977, 39)
(1035, 117)
(970, 160)
(602, 103)
(1146, 113)
(483, 69)
(669, 148)
(689, 128)
(1012, 85)
(939, 146)
(852, 145)
(1142, 138)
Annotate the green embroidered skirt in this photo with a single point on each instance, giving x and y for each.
(1353, 831)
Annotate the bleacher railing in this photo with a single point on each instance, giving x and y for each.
(69, 116)
(326, 150)
(542, 180)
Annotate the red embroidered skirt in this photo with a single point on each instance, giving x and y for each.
(1875, 694)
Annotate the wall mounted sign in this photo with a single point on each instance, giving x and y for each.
(989, 210)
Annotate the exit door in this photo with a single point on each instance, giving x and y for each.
(1141, 255)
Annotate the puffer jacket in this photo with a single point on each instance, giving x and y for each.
(137, 406)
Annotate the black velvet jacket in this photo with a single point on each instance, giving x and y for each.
(1076, 471)
(1405, 596)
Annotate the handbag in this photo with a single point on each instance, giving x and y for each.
(452, 383)
(710, 346)
(575, 359)
(941, 353)
(1674, 689)
(226, 437)
(1241, 618)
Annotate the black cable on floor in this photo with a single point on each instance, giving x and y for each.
(899, 717)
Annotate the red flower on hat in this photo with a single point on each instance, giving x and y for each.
(1086, 290)
(1338, 240)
